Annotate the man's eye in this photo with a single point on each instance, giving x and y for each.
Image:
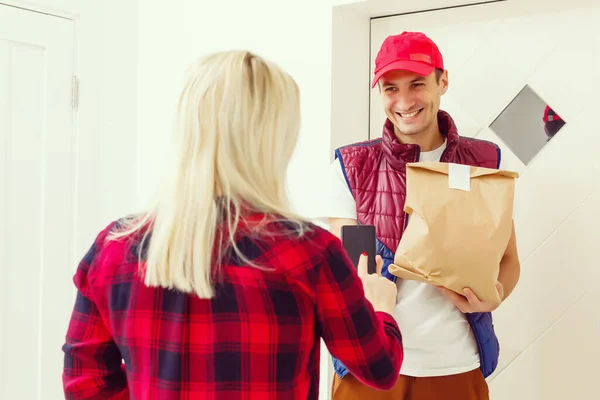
(415, 85)
(390, 89)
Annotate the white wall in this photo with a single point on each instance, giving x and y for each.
(107, 67)
(296, 35)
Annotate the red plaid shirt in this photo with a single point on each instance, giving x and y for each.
(258, 338)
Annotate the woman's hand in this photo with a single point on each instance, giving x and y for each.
(380, 291)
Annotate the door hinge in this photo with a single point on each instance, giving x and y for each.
(75, 100)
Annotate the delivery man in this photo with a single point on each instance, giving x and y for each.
(449, 341)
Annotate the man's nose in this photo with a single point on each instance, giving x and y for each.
(404, 102)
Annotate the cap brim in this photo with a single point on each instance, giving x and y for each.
(405, 65)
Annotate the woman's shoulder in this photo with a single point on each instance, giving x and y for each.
(119, 241)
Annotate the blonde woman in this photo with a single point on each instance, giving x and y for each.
(218, 290)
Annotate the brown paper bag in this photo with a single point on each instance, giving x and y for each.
(460, 222)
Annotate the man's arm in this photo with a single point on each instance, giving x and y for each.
(335, 225)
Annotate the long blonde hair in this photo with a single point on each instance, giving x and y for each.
(238, 122)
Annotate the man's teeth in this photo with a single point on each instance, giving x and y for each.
(409, 115)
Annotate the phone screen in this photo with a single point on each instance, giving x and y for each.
(358, 239)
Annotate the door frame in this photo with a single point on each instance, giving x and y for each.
(68, 9)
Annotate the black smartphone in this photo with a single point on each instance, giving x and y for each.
(358, 239)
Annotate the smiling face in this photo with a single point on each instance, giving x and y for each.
(412, 101)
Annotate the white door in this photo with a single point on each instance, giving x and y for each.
(37, 137)
(549, 327)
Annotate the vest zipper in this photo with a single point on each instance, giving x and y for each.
(406, 216)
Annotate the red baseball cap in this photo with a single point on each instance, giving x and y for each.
(409, 51)
(550, 115)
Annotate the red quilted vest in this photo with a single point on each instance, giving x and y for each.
(376, 173)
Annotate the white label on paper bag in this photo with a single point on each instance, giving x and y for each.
(459, 177)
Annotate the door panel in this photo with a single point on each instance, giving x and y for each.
(37, 132)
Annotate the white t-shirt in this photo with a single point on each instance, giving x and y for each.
(437, 337)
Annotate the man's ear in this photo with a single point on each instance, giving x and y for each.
(444, 81)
